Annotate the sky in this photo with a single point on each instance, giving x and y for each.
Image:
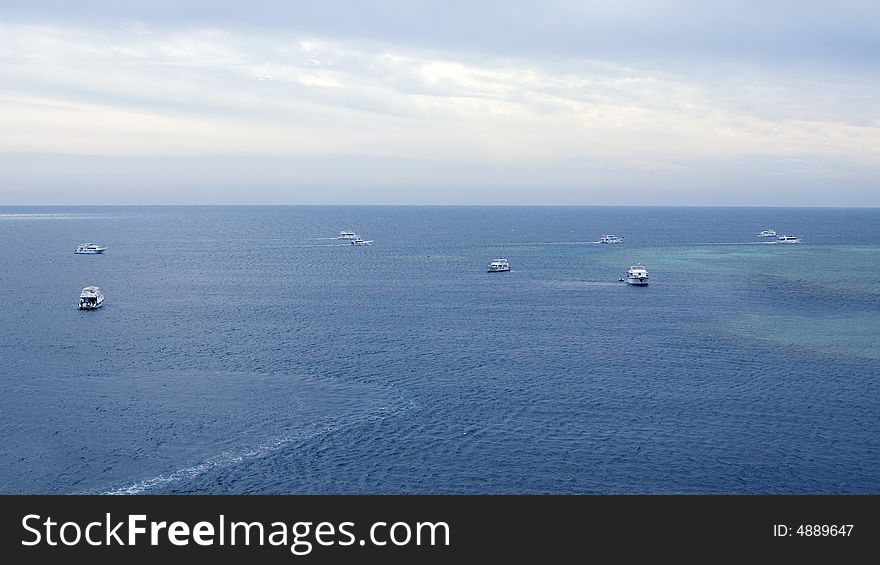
(748, 103)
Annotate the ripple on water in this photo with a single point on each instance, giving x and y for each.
(142, 431)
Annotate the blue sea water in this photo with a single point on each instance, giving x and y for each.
(245, 350)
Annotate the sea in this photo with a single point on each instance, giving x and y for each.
(248, 350)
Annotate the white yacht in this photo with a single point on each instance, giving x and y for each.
(347, 235)
(499, 266)
(359, 241)
(610, 238)
(637, 275)
(767, 233)
(788, 239)
(91, 298)
(89, 249)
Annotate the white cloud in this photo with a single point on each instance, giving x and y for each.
(138, 91)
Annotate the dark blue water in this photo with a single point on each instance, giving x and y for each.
(239, 352)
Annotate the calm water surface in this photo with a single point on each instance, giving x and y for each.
(245, 350)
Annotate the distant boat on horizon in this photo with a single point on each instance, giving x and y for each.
(89, 249)
(500, 265)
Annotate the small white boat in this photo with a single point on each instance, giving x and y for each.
(347, 235)
(637, 275)
(91, 298)
(788, 239)
(610, 238)
(359, 241)
(499, 265)
(767, 233)
(89, 249)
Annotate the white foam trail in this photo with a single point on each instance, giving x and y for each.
(218, 461)
(734, 243)
(323, 245)
(20, 217)
(228, 459)
(550, 243)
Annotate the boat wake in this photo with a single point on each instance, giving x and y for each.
(734, 243)
(551, 243)
(226, 459)
(307, 245)
(578, 285)
(21, 216)
(232, 458)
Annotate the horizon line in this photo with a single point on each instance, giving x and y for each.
(429, 205)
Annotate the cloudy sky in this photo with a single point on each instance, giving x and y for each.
(431, 102)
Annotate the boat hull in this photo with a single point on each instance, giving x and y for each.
(90, 252)
(637, 282)
(498, 271)
(91, 306)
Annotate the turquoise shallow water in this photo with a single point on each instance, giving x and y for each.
(836, 336)
(833, 291)
(834, 269)
(243, 349)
